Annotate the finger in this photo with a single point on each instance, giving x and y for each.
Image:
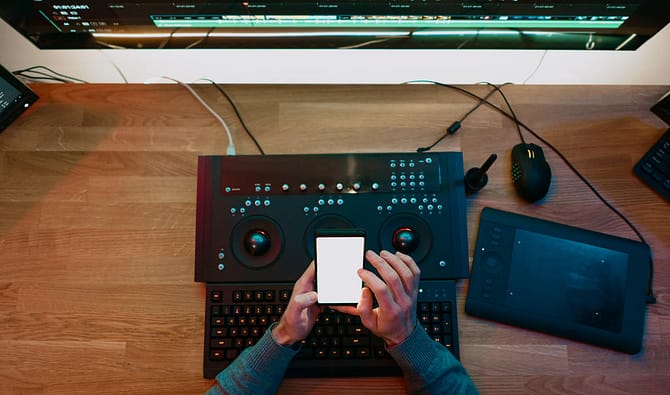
(305, 300)
(365, 310)
(351, 310)
(389, 276)
(306, 281)
(414, 269)
(378, 288)
(399, 263)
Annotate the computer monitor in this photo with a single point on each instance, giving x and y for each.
(384, 24)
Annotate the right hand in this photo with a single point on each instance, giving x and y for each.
(396, 292)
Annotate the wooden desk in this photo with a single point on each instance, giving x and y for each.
(97, 224)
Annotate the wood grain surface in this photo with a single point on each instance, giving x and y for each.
(97, 224)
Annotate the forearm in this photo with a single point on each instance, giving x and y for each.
(258, 369)
(429, 367)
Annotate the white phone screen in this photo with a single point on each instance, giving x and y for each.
(337, 260)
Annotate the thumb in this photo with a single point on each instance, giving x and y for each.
(365, 308)
(305, 300)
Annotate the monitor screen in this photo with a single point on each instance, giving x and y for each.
(384, 24)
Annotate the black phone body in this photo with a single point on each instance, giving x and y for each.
(339, 253)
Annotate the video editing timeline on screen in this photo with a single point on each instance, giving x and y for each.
(256, 221)
(423, 24)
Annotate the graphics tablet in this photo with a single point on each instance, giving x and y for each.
(558, 279)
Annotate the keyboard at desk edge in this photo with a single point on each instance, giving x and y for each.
(654, 167)
(339, 346)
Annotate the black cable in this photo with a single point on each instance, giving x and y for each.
(650, 298)
(511, 110)
(32, 69)
(453, 128)
(237, 113)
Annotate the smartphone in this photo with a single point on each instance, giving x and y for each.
(339, 253)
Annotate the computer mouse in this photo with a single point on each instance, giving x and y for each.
(530, 172)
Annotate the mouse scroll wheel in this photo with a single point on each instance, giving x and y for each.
(531, 153)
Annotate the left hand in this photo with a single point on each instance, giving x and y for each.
(300, 314)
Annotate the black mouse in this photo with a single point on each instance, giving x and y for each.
(530, 172)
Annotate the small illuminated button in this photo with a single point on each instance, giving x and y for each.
(266, 203)
(375, 186)
(228, 189)
(339, 186)
(233, 210)
(321, 202)
(429, 160)
(412, 200)
(393, 165)
(257, 203)
(430, 207)
(394, 201)
(380, 208)
(331, 202)
(305, 209)
(258, 188)
(411, 164)
(357, 186)
(322, 187)
(402, 164)
(267, 188)
(303, 187)
(247, 203)
(221, 255)
(243, 210)
(403, 200)
(340, 202)
(285, 187)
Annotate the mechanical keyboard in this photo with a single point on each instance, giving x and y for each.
(654, 167)
(237, 315)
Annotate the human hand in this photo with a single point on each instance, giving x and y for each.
(300, 314)
(396, 292)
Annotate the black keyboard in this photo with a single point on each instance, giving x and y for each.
(654, 167)
(338, 346)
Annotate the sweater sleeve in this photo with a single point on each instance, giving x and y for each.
(257, 370)
(429, 367)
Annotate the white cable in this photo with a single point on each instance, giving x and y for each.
(231, 146)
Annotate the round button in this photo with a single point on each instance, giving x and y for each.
(303, 187)
(339, 186)
(322, 187)
(375, 186)
(357, 186)
(331, 202)
(258, 188)
(429, 160)
(266, 203)
(285, 187)
(340, 202)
